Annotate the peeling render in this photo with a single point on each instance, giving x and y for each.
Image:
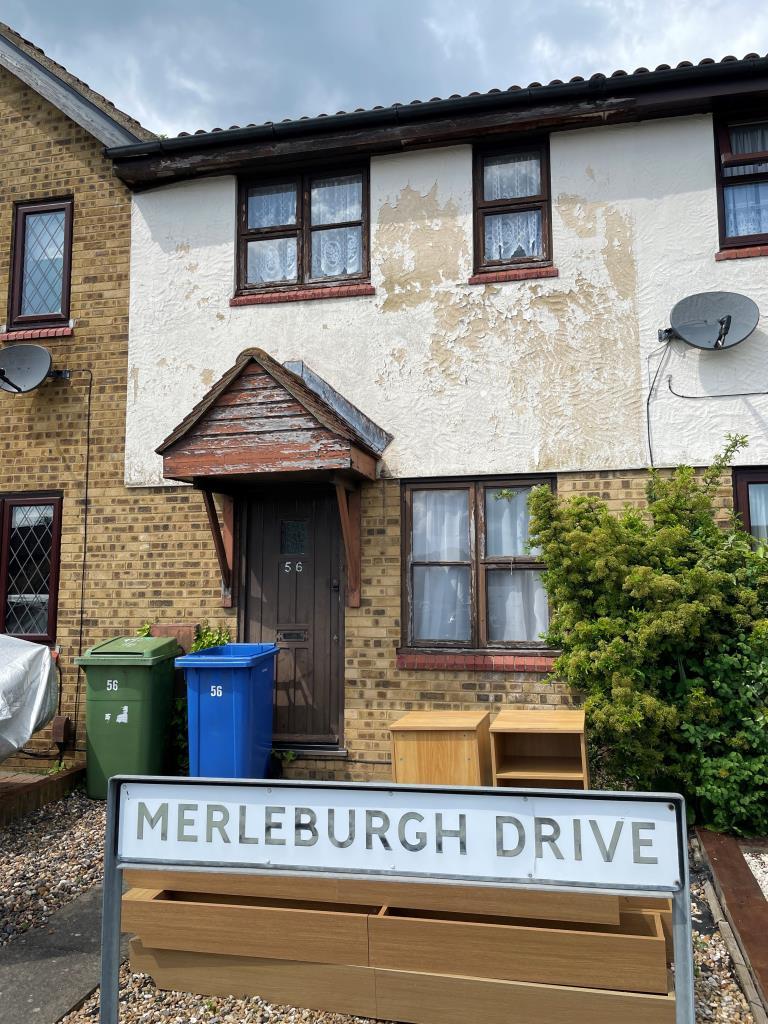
(521, 377)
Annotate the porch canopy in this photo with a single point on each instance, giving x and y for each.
(264, 421)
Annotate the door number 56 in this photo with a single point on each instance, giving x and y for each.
(216, 691)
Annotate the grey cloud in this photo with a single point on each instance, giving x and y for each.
(182, 66)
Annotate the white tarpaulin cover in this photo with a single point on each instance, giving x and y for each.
(28, 692)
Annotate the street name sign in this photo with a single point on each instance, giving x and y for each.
(566, 841)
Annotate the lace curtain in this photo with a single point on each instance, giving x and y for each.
(746, 209)
(513, 235)
(271, 260)
(506, 522)
(337, 200)
(511, 177)
(272, 206)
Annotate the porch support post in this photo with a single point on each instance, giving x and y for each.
(223, 541)
(348, 497)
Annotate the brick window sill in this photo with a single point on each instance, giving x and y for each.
(520, 274)
(33, 333)
(744, 253)
(462, 661)
(338, 291)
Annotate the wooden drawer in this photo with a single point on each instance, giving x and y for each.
(278, 929)
(630, 957)
(462, 899)
(441, 999)
(317, 986)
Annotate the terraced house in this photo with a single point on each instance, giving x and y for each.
(345, 335)
(359, 328)
(77, 549)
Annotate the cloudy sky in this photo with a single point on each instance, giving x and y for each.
(179, 65)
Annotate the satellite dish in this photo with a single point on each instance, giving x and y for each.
(23, 368)
(713, 320)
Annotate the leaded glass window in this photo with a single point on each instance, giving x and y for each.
(303, 230)
(40, 277)
(29, 566)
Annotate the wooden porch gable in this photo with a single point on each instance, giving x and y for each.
(261, 418)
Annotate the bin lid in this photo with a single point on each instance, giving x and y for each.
(228, 656)
(130, 650)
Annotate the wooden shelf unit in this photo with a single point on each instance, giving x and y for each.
(442, 748)
(539, 749)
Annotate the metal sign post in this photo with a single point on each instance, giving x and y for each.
(541, 840)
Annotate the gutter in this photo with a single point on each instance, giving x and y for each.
(597, 87)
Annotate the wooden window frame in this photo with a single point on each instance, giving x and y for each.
(302, 231)
(482, 207)
(742, 478)
(479, 563)
(21, 210)
(724, 158)
(7, 503)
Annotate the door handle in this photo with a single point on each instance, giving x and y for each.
(335, 585)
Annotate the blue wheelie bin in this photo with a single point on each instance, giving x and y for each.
(229, 698)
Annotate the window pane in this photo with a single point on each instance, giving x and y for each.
(29, 570)
(506, 522)
(293, 536)
(271, 260)
(43, 263)
(271, 206)
(441, 602)
(440, 526)
(337, 252)
(746, 209)
(517, 605)
(749, 138)
(337, 200)
(512, 177)
(511, 236)
(758, 510)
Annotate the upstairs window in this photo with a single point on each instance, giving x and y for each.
(512, 207)
(30, 532)
(743, 182)
(41, 264)
(303, 230)
(470, 578)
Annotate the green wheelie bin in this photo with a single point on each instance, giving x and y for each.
(129, 686)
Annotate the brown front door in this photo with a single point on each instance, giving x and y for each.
(294, 589)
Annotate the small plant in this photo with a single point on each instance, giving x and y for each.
(279, 760)
(145, 630)
(661, 618)
(209, 636)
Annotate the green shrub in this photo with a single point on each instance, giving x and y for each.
(660, 615)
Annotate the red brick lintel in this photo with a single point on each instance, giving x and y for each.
(743, 253)
(39, 332)
(336, 291)
(463, 662)
(518, 274)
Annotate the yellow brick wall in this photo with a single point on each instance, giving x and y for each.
(149, 552)
(377, 693)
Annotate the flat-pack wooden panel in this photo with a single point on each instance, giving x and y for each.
(282, 930)
(441, 999)
(463, 899)
(444, 748)
(317, 986)
(630, 957)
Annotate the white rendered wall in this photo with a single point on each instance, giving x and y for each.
(522, 377)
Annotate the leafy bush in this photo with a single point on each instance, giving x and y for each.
(660, 615)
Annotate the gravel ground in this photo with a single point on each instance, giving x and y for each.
(51, 856)
(47, 859)
(758, 862)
